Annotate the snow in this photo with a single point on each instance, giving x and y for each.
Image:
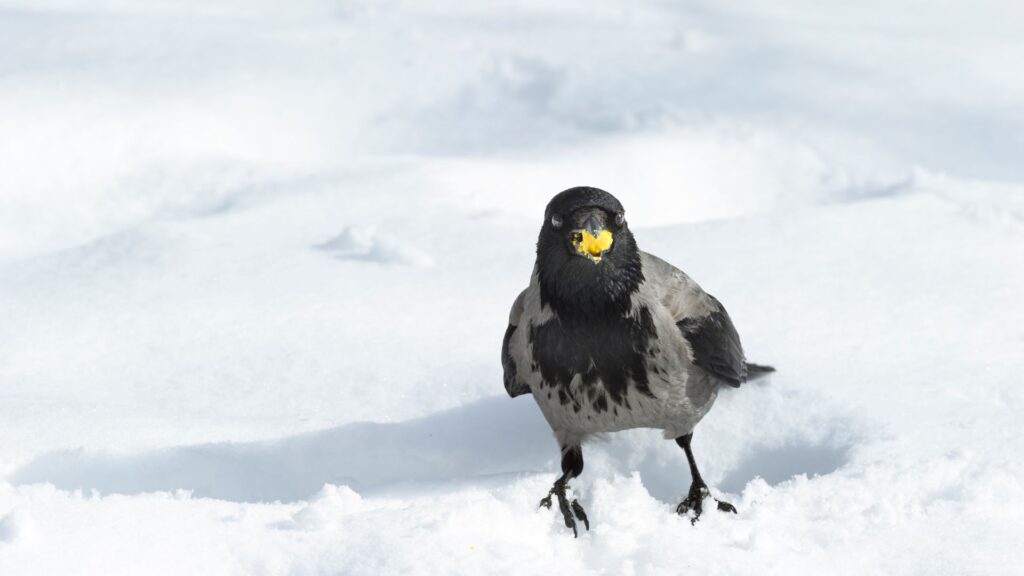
(256, 262)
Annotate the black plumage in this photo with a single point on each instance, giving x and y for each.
(513, 385)
(716, 345)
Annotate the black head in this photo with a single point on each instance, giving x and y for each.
(587, 260)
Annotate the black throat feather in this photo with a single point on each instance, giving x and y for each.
(595, 334)
(580, 291)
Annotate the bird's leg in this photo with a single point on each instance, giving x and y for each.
(698, 489)
(572, 466)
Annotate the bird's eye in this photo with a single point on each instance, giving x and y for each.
(620, 218)
(556, 221)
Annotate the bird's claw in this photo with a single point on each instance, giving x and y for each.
(571, 511)
(726, 507)
(695, 501)
(580, 514)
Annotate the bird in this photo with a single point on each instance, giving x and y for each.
(607, 338)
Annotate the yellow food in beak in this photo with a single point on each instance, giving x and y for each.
(592, 246)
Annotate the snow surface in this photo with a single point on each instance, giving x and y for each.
(256, 262)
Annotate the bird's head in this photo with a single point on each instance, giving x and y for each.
(587, 258)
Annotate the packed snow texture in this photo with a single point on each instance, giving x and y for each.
(256, 260)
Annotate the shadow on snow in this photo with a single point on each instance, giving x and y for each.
(491, 437)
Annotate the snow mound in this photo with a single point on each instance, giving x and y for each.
(17, 526)
(367, 245)
(330, 506)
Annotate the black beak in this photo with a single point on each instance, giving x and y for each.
(593, 225)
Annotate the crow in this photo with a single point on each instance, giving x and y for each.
(608, 338)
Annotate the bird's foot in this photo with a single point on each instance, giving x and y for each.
(694, 502)
(567, 508)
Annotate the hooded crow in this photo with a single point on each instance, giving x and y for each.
(608, 338)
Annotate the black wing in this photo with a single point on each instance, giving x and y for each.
(512, 385)
(716, 345)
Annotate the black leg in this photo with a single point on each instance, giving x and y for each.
(572, 466)
(698, 489)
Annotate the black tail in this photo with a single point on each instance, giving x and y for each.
(755, 371)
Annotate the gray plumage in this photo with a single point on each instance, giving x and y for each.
(682, 391)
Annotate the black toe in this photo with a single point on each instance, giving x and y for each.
(581, 515)
(571, 511)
